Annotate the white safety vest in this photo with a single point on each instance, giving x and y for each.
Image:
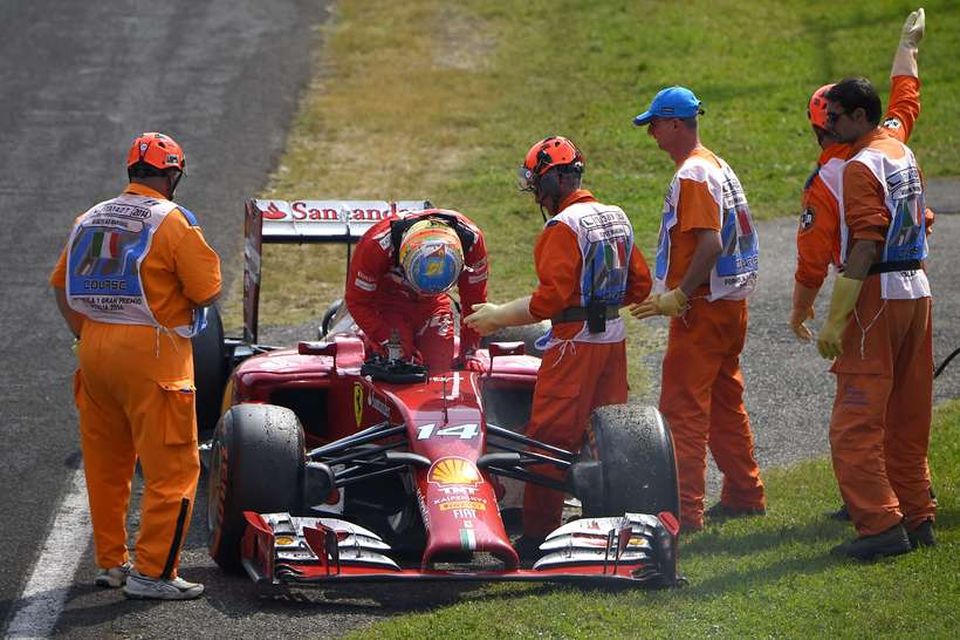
(907, 234)
(734, 276)
(605, 237)
(104, 253)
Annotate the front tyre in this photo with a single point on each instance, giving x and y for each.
(257, 464)
(638, 464)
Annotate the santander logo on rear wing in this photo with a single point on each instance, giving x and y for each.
(305, 221)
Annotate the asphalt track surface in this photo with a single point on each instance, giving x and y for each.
(223, 76)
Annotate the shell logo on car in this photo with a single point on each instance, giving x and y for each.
(453, 471)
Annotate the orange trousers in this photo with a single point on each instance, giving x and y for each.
(880, 427)
(701, 398)
(574, 379)
(135, 397)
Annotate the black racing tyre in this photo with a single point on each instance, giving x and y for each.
(257, 464)
(209, 371)
(328, 316)
(639, 467)
(528, 334)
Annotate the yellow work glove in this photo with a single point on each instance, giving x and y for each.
(803, 299)
(672, 303)
(485, 318)
(844, 299)
(905, 59)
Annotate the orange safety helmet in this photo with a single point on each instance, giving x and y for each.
(555, 151)
(157, 150)
(817, 109)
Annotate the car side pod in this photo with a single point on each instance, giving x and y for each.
(637, 546)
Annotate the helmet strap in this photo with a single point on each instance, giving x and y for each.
(172, 183)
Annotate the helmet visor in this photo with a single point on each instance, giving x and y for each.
(526, 179)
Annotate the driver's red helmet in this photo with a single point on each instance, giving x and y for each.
(157, 150)
(550, 152)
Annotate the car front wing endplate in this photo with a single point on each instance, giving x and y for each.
(280, 550)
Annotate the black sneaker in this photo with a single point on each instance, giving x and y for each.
(842, 514)
(720, 511)
(922, 536)
(891, 542)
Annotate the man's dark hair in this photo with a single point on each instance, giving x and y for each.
(144, 170)
(854, 93)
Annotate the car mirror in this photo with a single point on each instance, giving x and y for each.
(321, 348)
(506, 349)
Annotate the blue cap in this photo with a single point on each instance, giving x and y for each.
(672, 102)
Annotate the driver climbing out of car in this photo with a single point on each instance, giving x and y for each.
(588, 267)
(398, 281)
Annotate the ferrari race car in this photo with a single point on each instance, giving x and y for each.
(328, 467)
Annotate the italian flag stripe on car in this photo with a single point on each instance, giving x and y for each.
(468, 539)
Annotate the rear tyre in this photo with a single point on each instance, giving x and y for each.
(639, 468)
(328, 317)
(209, 371)
(257, 464)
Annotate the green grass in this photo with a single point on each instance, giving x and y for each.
(427, 98)
(770, 577)
(431, 99)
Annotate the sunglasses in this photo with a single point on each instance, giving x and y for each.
(833, 116)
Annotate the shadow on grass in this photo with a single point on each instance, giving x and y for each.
(819, 536)
(729, 541)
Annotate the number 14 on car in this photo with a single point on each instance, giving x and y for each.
(463, 431)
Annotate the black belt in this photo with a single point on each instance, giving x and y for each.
(897, 265)
(579, 314)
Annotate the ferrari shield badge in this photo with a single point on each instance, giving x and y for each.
(358, 402)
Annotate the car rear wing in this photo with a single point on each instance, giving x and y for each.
(305, 221)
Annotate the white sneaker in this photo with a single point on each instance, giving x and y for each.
(142, 587)
(114, 577)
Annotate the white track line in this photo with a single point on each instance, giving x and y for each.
(46, 590)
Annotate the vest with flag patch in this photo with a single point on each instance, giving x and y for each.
(734, 276)
(906, 239)
(104, 253)
(605, 237)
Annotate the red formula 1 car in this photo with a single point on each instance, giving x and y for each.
(328, 467)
